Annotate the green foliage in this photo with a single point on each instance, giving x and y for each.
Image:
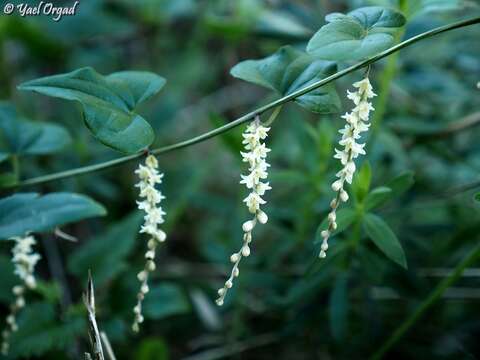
(385, 239)
(41, 331)
(152, 349)
(361, 182)
(345, 218)
(165, 300)
(108, 103)
(288, 70)
(25, 137)
(359, 34)
(106, 254)
(377, 197)
(338, 307)
(30, 212)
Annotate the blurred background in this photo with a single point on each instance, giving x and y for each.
(286, 304)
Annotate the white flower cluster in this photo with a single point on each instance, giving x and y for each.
(255, 157)
(356, 123)
(149, 178)
(24, 260)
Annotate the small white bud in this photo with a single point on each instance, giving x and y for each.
(236, 272)
(142, 276)
(333, 203)
(219, 302)
(325, 234)
(262, 217)
(337, 185)
(344, 196)
(332, 216)
(221, 291)
(334, 225)
(324, 246)
(234, 258)
(322, 255)
(245, 251)
(144, 289)
(248, 226)
(228, 284)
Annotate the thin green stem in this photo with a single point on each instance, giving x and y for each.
(274, 115)
(251, 115)
(435, 295)
(386, 78)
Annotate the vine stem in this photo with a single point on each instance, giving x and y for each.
(472, 256)
(249, 116)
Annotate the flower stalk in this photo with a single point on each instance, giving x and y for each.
(24, 259)
(255, 156)
(356, 123)
(154, 216)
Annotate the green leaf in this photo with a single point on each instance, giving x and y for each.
(338, 307)
(385, 239)
(401, 183)
(477, 197)
(118, 241)
(29, 212)
(152, 349)
(165, 300)
(378, 197)
(345, 218)
(40, 331)
(288, 70)
(357, 35)
(22, 136)
(361, 182)
(108, 103)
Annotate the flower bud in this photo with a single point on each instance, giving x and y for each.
(248, 226)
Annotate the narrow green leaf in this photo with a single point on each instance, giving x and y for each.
(361, 182)
(357, 35)
(385, 239)
(288, 70)
(401, 183)
(107, 102)
(338, 307)
(29, 212)
(377, 197)
(345, 218)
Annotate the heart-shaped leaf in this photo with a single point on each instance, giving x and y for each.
(289, 70)
(25, 137)
(108, 103)
(385, 239)
(357, 35)
(29, 212)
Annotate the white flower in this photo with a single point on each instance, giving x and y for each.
(255, 156)
(25, 259)
(356, 123)
(154, 216)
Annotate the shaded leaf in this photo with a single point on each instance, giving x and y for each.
(378, 197)
(288, 70)
(152, 349)
(107, 102)
(30, 212)
(357, 35)
(40, 331)
(361, 182)
(165, 300)
(338, 307)
(401, 183)
(105, 255)
(345, 218)
(23, 136)
(385, 239)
